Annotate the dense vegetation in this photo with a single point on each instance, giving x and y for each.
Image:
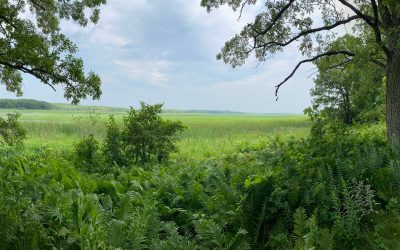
(145, 137)
(24, 104)
(337, 189)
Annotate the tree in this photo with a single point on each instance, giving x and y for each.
(31, 42)
(144, 137)
(349, 91)
(284, 22)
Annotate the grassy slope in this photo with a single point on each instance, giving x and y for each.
(206, 134)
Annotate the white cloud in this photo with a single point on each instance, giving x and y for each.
(152, 72)
(105, 32)
(219, 25)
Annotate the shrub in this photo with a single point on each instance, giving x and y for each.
(11, 131)
(112, 145)
(145, 136)
(86, 152)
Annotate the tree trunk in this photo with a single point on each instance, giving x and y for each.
(393, 97)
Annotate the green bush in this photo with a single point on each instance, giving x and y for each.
(145, 136)
(112, 145)
(87, 153)
(11, 131)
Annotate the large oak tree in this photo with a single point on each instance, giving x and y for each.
(31, 42)
(285, 22)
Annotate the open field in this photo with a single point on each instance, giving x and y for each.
(206, 134)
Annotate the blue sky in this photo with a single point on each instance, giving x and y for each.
(164, 51)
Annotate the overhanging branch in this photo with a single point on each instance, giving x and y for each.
(328, 53)
(28, 71)
(306, 32)
(368, 19)
(275, 19)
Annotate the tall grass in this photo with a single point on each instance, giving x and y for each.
(206, 135)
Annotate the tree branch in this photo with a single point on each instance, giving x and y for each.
(28, 71)
(377, 31)
(275, 19)
(368, 19)
(306, 32)
(328, 53)
(241, 9)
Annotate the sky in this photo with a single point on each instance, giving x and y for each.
(161, 51)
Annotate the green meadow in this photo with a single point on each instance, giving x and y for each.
(205, 135)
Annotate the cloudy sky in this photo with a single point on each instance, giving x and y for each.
(164, 51)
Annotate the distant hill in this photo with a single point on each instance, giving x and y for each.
(24, 104)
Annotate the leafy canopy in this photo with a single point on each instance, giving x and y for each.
(282, 23)
(348, 90)
(31, 42)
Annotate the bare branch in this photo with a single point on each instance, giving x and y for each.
(328, 53)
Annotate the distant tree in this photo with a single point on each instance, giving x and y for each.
(31, 42)
(11, 130)
(282, 23)
(24, 104)
(348, 91)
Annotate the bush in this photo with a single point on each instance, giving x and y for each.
(144, 137)
(87, 153)
(112, 145)
(11, 131)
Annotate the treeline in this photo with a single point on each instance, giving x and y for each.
(24, 104)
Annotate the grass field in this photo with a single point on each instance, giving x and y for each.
(206, 134)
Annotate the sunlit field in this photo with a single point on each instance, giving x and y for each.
(206, 134)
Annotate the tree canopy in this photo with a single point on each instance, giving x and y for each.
(286, 22)
(348, 91)
(31, 42)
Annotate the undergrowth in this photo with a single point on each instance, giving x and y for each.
(337, 189)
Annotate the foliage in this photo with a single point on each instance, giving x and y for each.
(24, 104)
(11, 130)
(205, 135)
(337, 189)
(32, 42)
(112, 145)
(87, 152)
(144, 137)
(351, 92)
(280, 24)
